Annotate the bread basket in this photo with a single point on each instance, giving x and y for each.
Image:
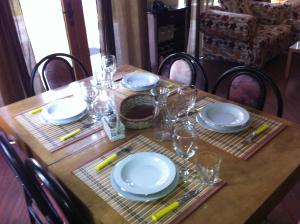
(136, 111)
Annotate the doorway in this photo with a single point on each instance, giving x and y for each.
(64, 26)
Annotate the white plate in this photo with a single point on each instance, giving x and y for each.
(145, 198)
(224, 115)
(144, 173)
(140, 81)
(221, 129)
(65, 111)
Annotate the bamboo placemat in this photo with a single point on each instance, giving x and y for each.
(233, 143)
(140, 212)
(48, 135)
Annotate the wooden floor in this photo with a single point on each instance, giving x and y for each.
(12, 205)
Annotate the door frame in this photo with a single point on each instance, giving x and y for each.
(76, 34)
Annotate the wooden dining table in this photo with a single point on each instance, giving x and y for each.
(252, 184)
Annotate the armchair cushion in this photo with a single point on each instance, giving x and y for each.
(240, 6)
(234, 26)
(270, 14)
(272, 35)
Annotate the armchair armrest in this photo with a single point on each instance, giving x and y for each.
(262, 0)
(230, 25)
(270, 14)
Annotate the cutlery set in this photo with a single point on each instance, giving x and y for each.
(77, 131)
(112, 158)
(254, 135)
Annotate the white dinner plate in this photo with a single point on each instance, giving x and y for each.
(224, 115)
(64, 111)
(221, 129)
(144, 173)
(145, 198)
(140, 81)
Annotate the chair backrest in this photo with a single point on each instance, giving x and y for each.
(184, 69)
(56, 71)
(249, 86)
(57, 197)
(31, 191)
(40, 189)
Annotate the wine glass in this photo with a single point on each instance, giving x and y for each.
(110, 67)
(184, 145)
(89, 92)
(187, 96)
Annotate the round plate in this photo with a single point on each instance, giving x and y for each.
(65, 111)
(224, 115)
(221, 129)
(144, 173)
(140, 81)
(145, 198)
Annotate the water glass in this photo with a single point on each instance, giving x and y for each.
(109, 67)
(187, 96)
(101, 77)
(89, 92)
(208, 166)
(184, 138)
(100, 106)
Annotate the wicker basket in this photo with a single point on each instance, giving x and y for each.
(133, 103)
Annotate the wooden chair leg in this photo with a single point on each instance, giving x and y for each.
(288, 64)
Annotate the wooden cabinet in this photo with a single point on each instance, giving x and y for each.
(167, 34)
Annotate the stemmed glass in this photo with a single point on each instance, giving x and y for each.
(187, 96)
(89, 92)
(110, 67)
(184, 145)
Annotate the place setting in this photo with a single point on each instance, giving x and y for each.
(143, 81)
(69, 119)
(231, 127)
(144, 182)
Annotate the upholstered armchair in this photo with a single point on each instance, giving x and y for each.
(247, 32)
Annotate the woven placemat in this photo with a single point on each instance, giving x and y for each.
(233, 143)
(48, 135)
(140, 212)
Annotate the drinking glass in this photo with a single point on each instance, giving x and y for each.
(110, 68)
(174, 113)
(187, 96)
(101, 77)
(184, 145)
(208, 166)
(100, 106)
(89, 92)
(162, 128)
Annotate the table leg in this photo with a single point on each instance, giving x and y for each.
(288, 64)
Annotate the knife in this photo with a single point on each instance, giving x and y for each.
(250, 138)
(198, 109)
(36, 110)
(112, 158)
(158, 215)
(73, 133)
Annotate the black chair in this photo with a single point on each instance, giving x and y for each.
(184, 69)
(249, 86)
(9, 150)
(56, 71)
(56, 195)
(40, 207)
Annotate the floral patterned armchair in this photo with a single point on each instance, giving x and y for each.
(248, 32)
